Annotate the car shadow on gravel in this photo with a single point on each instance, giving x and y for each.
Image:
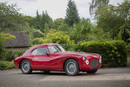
(58, 73)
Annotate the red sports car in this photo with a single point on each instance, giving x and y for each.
(52, 57)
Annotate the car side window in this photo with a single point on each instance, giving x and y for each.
(40, 51)
(52, 49)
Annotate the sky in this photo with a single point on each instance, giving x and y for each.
(55, 8)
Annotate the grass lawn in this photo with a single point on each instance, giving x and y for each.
(6, 65)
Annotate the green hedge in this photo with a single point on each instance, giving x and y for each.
(6, 65)
(114, 53)
(10, 55)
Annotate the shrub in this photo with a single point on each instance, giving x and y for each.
(3, 38)
(37, 41)
(6, 65)
(59, 37)
(12, 54)
(114, 52)
(54, 36)
(37, 33)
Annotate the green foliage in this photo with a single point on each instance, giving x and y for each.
(37, 33)
(109, 21)
(6, 65)
(10, 19)
(3, 38)
(124, 10)
(29, 20)
(114, 19)
(128, 47)
(8, 10)
(12, 54)
(36, 41)
(128, 57)
(54, 36)
(124, 33)
(59, 37)
(86, 31)
(59, 24)
(81, 31)
(96, 5)
(114, 53)
(40, 21)
(71, 14)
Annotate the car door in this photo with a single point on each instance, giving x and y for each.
(40, 59)
(54, 58)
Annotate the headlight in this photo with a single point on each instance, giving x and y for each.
(84, 58)
(87, 62)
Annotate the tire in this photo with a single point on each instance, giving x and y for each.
(25, 67)
(71, 67)
(92, 71)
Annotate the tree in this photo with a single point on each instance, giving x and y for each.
(59, 24)
(46, 21)
(114, 19)
(109, 21)
(37, 21)
(124, 12)
(71, 14)
(11, 20)
(59, 37)
(81, 31)
(86, 31)
(42, 19)
(29, 20)
(96, 5)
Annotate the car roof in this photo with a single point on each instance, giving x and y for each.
(48, 44)
(41, 45)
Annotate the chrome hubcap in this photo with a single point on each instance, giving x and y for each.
(25, 66)
(71, 67)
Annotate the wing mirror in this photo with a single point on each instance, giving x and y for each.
(47, 53)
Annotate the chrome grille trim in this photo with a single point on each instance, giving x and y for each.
(94, 63)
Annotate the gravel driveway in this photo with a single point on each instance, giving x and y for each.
(107, 77)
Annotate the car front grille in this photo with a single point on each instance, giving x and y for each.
(94, 63)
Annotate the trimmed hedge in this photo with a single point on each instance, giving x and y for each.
(114, 53)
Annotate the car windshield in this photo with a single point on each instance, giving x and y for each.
(55, 48)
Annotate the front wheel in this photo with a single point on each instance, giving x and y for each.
(92, 71)
(26, 67)
(71, 67)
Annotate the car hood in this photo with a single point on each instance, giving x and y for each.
(80, 54)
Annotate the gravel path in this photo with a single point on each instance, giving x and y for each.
(107, 77)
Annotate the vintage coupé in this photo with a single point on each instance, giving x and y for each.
(52, 57)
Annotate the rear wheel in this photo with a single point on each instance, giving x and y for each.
(92, 71)
(25, 67)
(71, 67)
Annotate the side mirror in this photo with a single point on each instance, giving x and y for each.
(47, 53)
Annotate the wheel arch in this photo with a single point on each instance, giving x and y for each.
(22, 60)
(73, 59)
